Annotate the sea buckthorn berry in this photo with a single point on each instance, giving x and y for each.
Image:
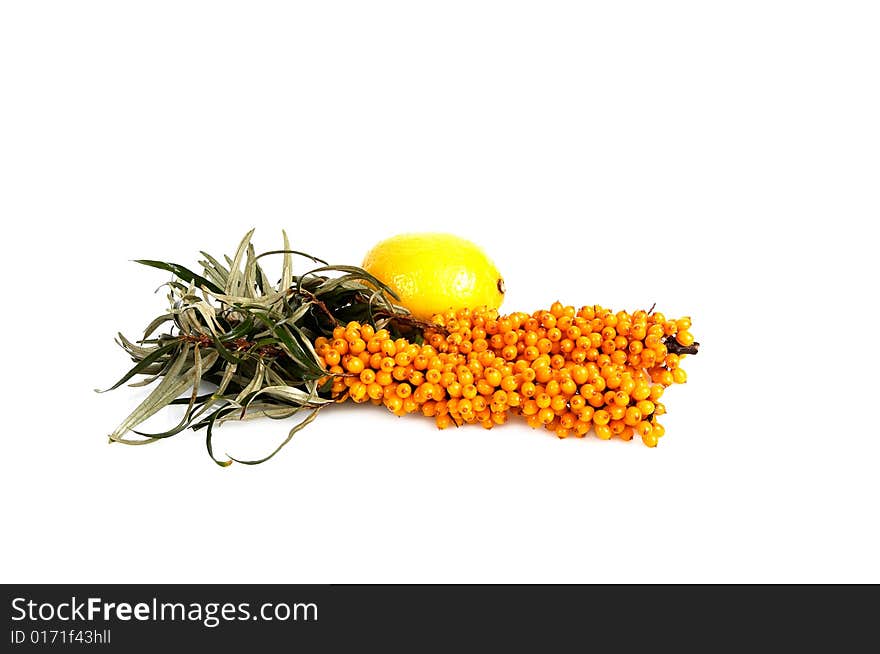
(568, 387)
(579, 374)
(358, 392)
(528, 389)
(400, 373)
(465, 376)
(509, 383)
(685, 338)
(641, 391)
(394, 403)
(509, 352)
(577, 403)
(602, 431)
(601, 417)
(646, 407)
(543, 375)
(558, 403)
(388, 348)
(492, 376)
(613, 381)
(530, 408)
(357, 346)
(484, 387)
(375, 391)
(354, 365)
(546, 416)
(633, 416)
(679, 376)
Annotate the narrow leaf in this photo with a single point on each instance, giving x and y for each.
(302, 424)
(183, 273)
(235, 275)
(144, 363)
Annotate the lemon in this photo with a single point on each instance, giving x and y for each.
(432, 272)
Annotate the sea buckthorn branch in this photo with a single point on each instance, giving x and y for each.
(568, 371)
(229, 326)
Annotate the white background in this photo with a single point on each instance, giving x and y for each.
(719, 159)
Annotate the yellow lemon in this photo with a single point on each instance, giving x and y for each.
(433, 272)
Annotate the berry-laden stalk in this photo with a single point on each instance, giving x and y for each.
(565, 370)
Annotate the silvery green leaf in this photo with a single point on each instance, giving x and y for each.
(169, 388)
(233, 283)
(286, 266)
(293, 395)
(302, 424)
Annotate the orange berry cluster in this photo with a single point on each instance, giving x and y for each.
(566, 370)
